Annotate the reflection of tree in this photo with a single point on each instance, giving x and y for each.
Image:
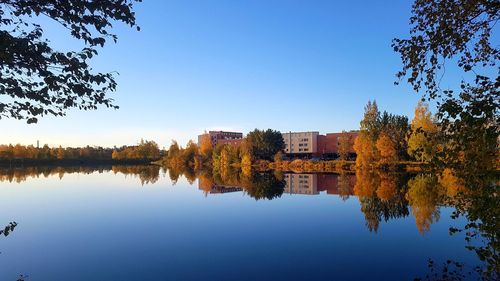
(8, 229)
(264, 186)
(21, 175)
(344, 186)
(174, 173)
(388, 187)
(146, 173)
(424, 195)
(381, 196)
(481, 207)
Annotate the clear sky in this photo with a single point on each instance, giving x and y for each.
(237, 65)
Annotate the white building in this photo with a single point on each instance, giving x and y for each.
(301, 142)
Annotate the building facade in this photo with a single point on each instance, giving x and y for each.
(328, 145)
(312, 144)
(301, 143)
(222, 137)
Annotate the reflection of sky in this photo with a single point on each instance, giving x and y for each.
(109, 227)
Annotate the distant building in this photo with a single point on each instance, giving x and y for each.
(301, 143)
(312, 144)
(222, 137)
(328, 145)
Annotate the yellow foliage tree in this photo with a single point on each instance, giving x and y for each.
(206, 146)
(421, 143)
(345, 145)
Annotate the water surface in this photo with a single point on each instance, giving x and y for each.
(143, 223)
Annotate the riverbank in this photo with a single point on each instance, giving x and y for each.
(336, 166)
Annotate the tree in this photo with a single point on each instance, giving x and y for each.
(365, 151)
(457, 35)
(265, 144)
(387, 150)
(364, 146)
(206, 146)
(370, 124)
(38, 80)
(396, 127)
(345, 145)
(60, 153)
(422, 140)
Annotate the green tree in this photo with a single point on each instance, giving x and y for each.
(370, 124)
(265, 144)
(38, 80)
(396, 127)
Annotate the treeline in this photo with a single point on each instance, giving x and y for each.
(386, 140)
(145, 150)
(258, 145)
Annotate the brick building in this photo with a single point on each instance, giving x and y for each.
(222, 137)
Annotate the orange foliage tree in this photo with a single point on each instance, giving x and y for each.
(387, 150)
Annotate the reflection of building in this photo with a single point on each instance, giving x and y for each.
(301, 184)
(219, 189)
(312, 144)
(222, 137)
(312, 184)
(207, 185)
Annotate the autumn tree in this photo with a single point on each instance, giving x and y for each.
(396, 127)
(206, 146)
(370, 124)
(364, 145)
(387, 150)
(345, 145)
(38, 80)
(422, 139)
(366, 153)
(60, 153)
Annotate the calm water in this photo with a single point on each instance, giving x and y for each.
(136, 223)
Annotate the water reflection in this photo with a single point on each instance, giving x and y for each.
(382, 196)
(147, 174)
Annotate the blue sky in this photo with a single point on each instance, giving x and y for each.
(237, 65)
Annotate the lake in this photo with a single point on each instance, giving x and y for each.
(147, 223)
